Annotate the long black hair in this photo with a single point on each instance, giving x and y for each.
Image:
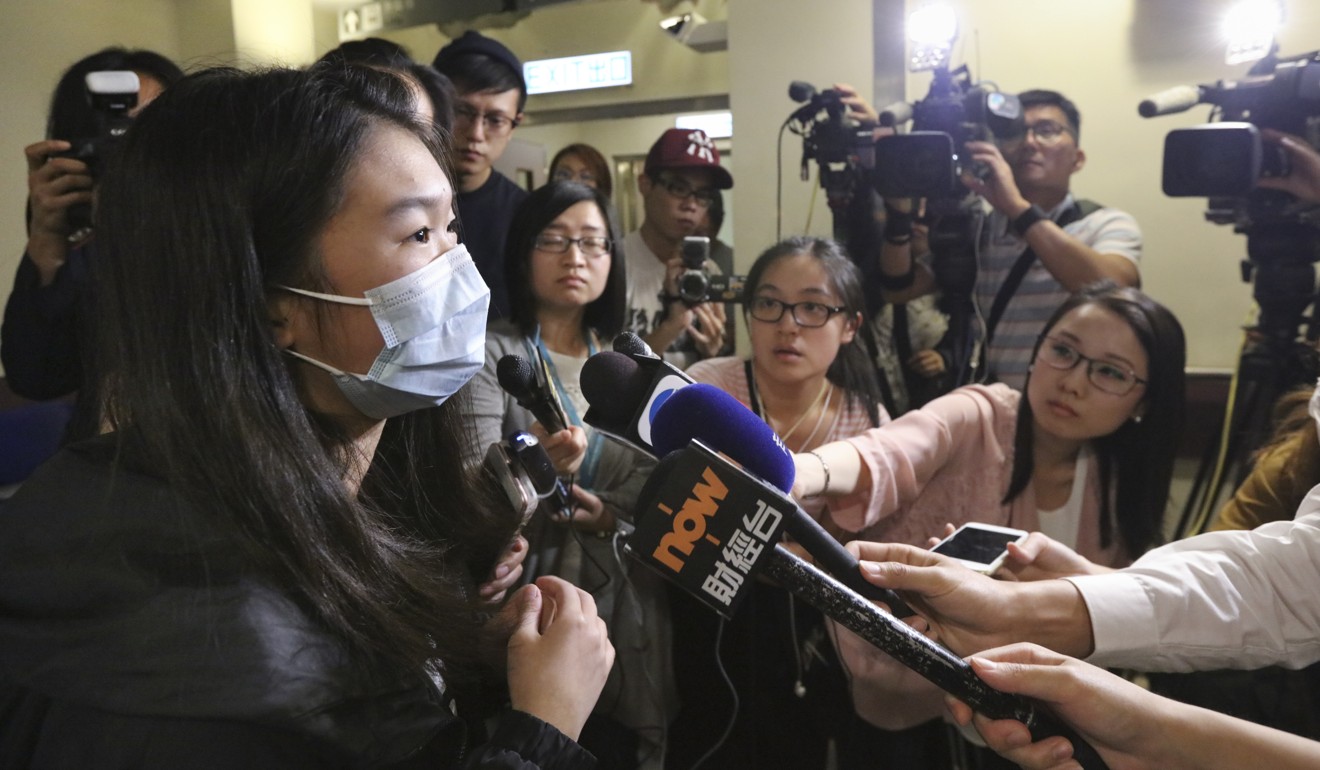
(851, 369)
(1136, 461)
(605, 314)
(221, 191)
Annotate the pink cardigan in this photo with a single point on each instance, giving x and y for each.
(950, 461)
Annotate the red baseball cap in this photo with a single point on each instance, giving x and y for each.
(679, 148)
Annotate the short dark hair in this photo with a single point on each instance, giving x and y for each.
(373, 51)
(596, 162)
(606, 313)
(1040, 97)
(440, 90)
(71, 116)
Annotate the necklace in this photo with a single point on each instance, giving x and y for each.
(826, 390)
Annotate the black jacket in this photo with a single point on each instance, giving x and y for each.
(133, 633)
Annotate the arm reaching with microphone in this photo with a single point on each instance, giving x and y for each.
(1130, 727)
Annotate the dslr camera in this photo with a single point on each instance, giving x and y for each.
(111, 94)
(927, 161)
(696, 284)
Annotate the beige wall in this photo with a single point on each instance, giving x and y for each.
(1106, 55)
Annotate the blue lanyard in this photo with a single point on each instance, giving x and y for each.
(595, 442)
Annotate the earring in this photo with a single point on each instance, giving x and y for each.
(1136, 418)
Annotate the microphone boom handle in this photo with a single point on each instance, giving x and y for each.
(919, 653)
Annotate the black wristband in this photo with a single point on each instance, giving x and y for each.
(898, 225)
(897, 282)
(1028, 218)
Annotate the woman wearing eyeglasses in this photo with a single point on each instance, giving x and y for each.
(810, 379)
(565, 273)
(1086, 457)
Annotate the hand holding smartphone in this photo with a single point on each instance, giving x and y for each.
(980, 547)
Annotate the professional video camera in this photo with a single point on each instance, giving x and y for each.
(112, 95)
(842, 147)
(696, 285)
(928, 161)
(1222, 160)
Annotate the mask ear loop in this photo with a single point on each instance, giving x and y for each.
(360, 301)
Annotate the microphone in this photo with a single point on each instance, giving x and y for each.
(895, 114)
(511, 478)
(522, 470)
(630, 344)
(518, 378)
(688, 529)
(624, 392)
(540, 472)
(707, 414)
(1170, 100)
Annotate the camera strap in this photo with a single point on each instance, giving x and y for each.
(1078, 211)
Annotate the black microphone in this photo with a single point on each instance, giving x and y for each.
(519, 379)
(624, 391)
(630, 344)
(706, 526)
(540, 472)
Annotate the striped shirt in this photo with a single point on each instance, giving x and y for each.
(1108, 231)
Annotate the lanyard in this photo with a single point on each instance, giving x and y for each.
(595, 442)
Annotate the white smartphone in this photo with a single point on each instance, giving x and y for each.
(982, 547)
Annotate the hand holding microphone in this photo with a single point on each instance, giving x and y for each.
(518, 377)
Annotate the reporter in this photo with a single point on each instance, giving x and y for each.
(565, 278)
(268, 560)
(1129, 726)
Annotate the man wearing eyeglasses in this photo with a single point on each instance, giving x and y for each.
(491, 96)
(1036, 230)
(681, 179)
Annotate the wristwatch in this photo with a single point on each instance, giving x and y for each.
(1028, 218)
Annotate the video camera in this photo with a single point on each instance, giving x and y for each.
(928, 161)
(843, 148)
(697, 285)
(1222, 160)
(112, 94)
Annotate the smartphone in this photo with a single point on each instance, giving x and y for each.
(981, 547)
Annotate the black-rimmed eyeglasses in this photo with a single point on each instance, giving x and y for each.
(705, 196)
(808, 314)
(589, 245)
(1107, 376)
(494, 123)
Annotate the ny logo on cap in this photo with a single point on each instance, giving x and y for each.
(701, 146)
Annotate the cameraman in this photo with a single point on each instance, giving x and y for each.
(1303, 178)
(42, 342)
(681, 180)
(1061, 243)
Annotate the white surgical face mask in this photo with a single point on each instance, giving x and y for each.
(434, 324)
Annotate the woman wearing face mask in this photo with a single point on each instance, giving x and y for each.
(810, 379)
(566, 282)
(1085, 457)
(268, 560)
